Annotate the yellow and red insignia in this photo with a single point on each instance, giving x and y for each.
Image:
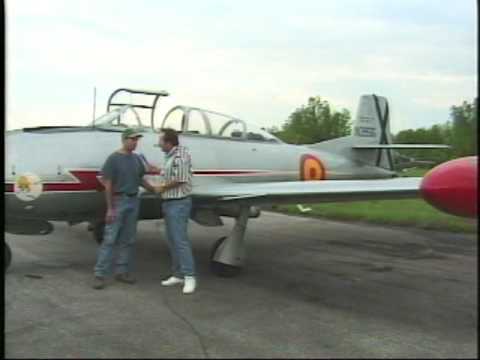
(311, 168)
(28, 187)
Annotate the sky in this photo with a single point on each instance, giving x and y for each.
(256, 60)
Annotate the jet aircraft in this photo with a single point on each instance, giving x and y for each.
(52, 172)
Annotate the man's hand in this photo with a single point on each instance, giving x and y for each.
(153, 169)
(160, 189)
(149, 186)
(110, 217)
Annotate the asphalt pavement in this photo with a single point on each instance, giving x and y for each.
(310, 288)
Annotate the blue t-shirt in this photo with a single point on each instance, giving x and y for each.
(126, 172)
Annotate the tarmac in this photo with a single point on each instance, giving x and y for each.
(310, 288)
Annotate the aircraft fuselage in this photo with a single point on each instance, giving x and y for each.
(67, 163)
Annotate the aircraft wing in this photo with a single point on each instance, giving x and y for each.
(309, 191)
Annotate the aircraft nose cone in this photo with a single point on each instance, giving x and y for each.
(452, 187)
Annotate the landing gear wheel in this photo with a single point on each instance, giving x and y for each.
(8, 256)
(221, 269)
(98, 229)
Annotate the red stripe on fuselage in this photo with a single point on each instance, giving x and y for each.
(88, 181)
(228, 172)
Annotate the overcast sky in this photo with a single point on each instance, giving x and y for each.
(257, 60)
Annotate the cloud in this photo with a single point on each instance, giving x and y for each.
(256, 64)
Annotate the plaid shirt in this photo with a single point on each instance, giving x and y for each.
(178, 167)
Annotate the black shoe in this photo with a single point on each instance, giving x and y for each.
(126, 278)
(98, 283)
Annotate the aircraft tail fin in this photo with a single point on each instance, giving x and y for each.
(371, 132)
(371, 139)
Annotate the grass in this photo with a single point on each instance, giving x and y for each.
(414, 172)
(409, 212)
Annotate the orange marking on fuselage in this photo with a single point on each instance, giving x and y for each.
(311, 168)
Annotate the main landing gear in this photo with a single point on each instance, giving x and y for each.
(228, 253)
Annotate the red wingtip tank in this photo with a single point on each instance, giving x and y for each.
(452, 187)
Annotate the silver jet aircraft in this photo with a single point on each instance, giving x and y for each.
(52, 172)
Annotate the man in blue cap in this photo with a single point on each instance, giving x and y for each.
(122, 174)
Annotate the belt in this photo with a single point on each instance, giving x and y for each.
(129, 195)
(182, 198)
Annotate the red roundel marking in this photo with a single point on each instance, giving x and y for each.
(311, 168)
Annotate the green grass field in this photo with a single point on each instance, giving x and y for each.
(411, 212)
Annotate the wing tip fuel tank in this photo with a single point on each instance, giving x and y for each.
(452, 187)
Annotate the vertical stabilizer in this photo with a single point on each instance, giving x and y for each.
(372, 127)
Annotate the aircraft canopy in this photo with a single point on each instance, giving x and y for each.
(185, 119)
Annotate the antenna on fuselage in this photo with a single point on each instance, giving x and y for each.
(94, 103)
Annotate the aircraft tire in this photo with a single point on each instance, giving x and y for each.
(97, 231)
(8, 256)
(221, 269)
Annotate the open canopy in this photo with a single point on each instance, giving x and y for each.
(185, 119)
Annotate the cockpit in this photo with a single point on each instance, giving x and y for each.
(187, 120)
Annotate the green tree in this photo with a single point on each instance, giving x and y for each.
(464, 131)
(460, 133)
(317, 121)
(437, 134)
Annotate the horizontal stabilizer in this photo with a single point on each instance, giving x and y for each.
(401, 146)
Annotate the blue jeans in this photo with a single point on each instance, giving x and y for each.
(176, 214)
(122, 230)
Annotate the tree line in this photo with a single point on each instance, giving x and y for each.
(318, 121)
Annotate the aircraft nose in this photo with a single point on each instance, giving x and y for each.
(452, 187)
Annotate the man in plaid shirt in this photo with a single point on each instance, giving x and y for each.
(176, 206)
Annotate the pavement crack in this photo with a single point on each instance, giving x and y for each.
(186, 321)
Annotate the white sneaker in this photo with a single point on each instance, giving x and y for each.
(190, 284)
(172, 280)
